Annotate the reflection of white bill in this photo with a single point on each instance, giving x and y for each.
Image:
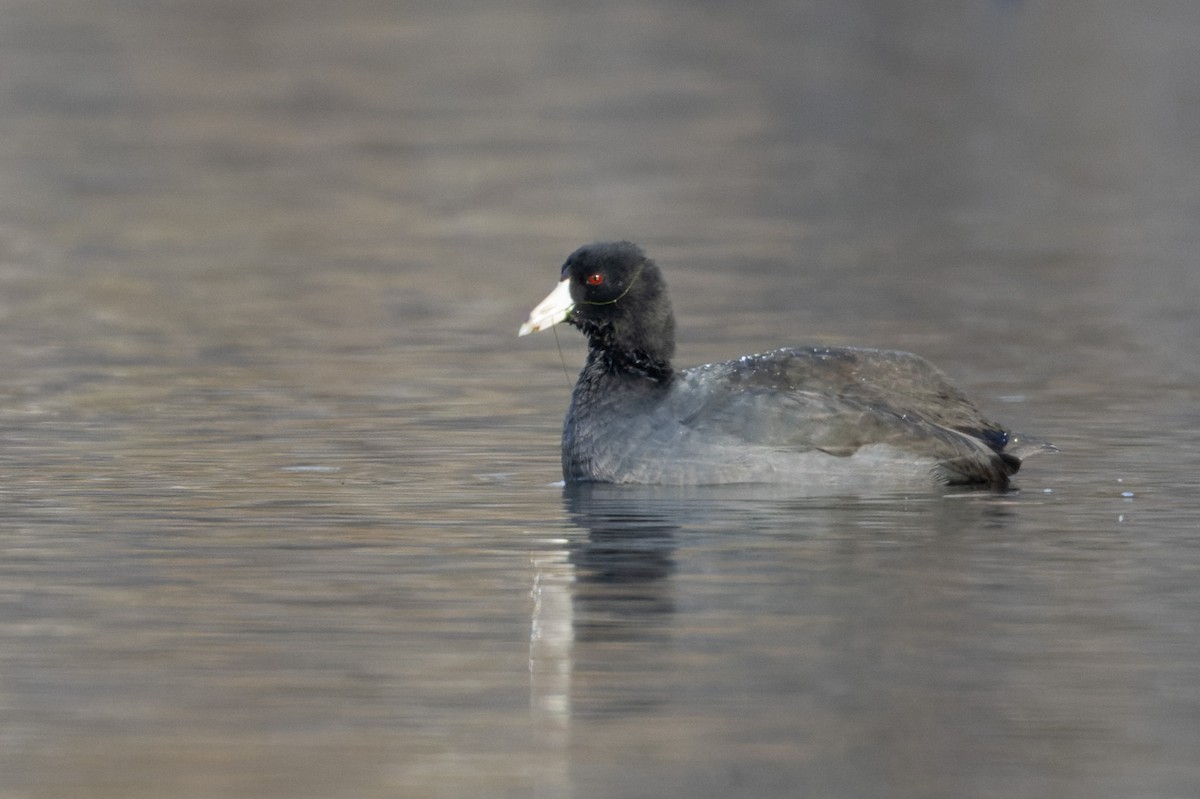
(550, 640)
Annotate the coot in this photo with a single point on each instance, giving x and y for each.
(816, 416)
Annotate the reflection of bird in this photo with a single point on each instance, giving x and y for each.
(839, 417)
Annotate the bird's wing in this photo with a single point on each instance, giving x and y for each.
(838, 401)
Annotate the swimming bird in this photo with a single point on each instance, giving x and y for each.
(833, 417)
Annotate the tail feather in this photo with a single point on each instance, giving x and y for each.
(1002, 458)
(1022, 446)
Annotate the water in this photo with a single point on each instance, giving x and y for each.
(279, 514)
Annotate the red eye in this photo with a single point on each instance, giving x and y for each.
(595, 280)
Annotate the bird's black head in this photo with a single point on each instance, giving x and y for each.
(621, 305)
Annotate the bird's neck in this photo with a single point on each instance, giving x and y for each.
(607, 357)
(622, 350)
(629, 364)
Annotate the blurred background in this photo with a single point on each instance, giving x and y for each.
(278, 513)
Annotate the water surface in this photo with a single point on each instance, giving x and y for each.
(279, 513)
